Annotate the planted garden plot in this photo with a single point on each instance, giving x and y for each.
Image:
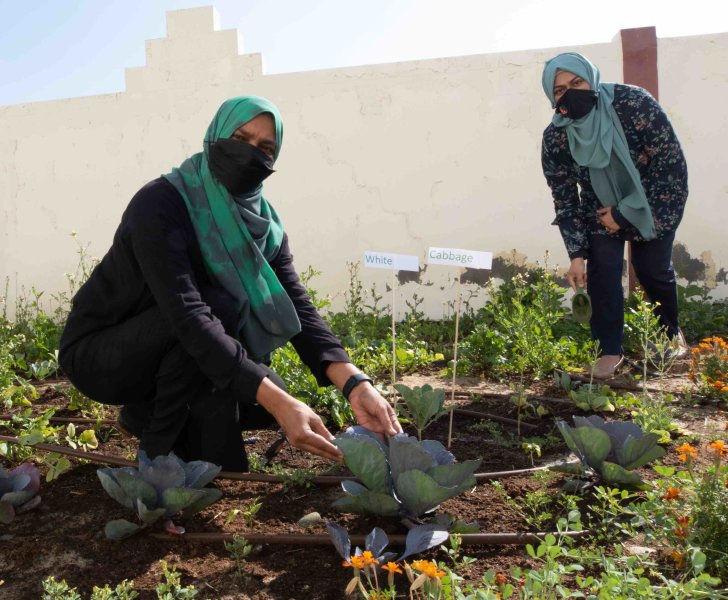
(445, 511)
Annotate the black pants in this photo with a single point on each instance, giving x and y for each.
(165, 398)
(652, 262)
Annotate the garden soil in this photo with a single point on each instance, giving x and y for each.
(64, 536)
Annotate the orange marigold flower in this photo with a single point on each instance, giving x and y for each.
(681, 530)
(695, 350)
(687, 451)
(357, 562)
(429, 568)
(672, 493)
(369, 558)
(718, 447)
(501, 579)
(392, 568)
(718, 384)
(678, 557)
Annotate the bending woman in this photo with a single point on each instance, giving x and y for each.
(178, 320)
(616, 172)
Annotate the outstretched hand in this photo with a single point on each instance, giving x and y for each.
(373, 411)
(301, 425)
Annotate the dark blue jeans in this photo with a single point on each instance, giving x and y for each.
(652, 262)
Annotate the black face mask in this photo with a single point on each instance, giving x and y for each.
(574, 104)
(239, 166)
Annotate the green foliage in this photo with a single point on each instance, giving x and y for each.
(422, 405)
(700, 315)
(688, 510)
(123, 591)
(609, 450)
(302, 385)
(515, 330)
(159, 488)
(239, 550)
(405, 477)
(58, 590)
(300, 478)
(171, 588)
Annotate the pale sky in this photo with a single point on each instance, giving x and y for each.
(65, 48)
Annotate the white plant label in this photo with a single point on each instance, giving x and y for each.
(384, 260)
(470, 259)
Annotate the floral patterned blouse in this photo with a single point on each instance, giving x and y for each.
(657, 154)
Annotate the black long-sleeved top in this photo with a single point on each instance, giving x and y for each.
(155, 259)
(655, 151)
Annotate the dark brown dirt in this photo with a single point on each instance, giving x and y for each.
(64, 536)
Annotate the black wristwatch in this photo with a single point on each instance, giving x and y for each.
(352, 382)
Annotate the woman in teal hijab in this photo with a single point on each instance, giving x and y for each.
(616, 172)
(178, 321)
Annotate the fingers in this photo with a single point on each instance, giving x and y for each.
(316, 439)
(388, 419)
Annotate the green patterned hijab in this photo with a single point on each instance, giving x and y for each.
(239, 235)
(597, 141)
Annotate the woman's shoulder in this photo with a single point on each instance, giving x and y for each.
(156, 199)
(631, 94)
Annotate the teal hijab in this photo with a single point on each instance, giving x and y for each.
(239, 235)
(597, 141)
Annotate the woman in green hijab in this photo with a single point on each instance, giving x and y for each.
(178, 320)
(616, 172)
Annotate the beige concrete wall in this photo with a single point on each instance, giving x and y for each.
(390, 158)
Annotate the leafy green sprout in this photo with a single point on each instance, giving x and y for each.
(239, 549)
(422, 405)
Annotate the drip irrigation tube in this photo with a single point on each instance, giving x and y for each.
(460, 411)
(321, 480)
(468, 539)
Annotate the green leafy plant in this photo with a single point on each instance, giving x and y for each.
(86, 440)
(18, 491)
(122, 591)
(159, 488)
(422, 405)
(404, 477)
(171, 588)
(609, 450)
(239, 548)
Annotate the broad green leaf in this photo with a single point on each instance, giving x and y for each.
(366, 460)
(455, 474)
(369, 503)
(113, 489)
(420, 493)
(635, 453)
(175, 499)
(594, 443)
(119, 529)
(208, 497)
(406, 453)
(146, 515)
(135, 487)
(613, 473)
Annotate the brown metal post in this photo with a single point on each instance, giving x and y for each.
(639, 67)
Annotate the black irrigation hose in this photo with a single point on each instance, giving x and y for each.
(468, 539)
(461, 411)
(321, 480)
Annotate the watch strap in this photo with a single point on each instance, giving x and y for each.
(352, 382)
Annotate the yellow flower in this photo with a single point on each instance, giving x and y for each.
(369, 558)
(687, 452)
(358, 562)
